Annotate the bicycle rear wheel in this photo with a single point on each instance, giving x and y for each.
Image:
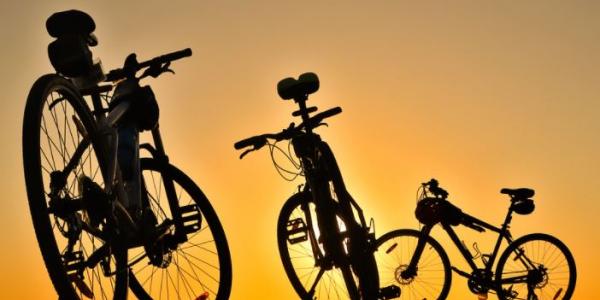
(395, 251)
(199, 268)
(537, 264)
(54, 121)
(309, 278)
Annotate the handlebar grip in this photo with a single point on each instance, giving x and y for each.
(252, 141)
(169, 57)
(329, 113)
(118, 74)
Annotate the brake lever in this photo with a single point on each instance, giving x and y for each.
(246, 152)
(156, 70)
(254, 148)
(290, 128)
(130, 65)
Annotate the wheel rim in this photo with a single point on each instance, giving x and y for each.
(194, 270)
(551, 278)
(57, 139)
(393, 257)
(300, 261)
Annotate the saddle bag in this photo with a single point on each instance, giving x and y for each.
(70, 54)
(144, 111)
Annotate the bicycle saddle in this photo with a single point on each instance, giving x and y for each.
(521, 193)
(298, 89)
(70, 22)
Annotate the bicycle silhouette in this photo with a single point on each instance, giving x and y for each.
(534, 266)
(325, 249)
(106, 219)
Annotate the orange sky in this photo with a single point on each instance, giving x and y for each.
(478, 94)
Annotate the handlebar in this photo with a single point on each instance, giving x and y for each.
(256, 141)
(259, 141)
(167, 58)
(121, 73)
(316, 120)
(435, 189)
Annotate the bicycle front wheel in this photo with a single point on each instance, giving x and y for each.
(199, 268)
(311, 276)
(395, 251)
(536, 266)
(55, 122)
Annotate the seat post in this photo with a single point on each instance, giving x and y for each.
(508, 219)
(303, 110)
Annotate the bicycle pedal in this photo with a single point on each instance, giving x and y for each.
(389, 292)
(81, 285)
(191, 218)
(297, 231)
(74, 263)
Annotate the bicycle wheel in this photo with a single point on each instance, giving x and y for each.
(396, 249)
(309, 278)
(536, 263)
(53, 113)
(200, 268)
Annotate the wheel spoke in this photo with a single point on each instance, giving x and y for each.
(195, 265)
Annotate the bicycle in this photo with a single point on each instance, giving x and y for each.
(106, 219)
(534, 266)
(325, 250)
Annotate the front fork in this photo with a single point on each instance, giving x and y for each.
(337, 252)
(411, 270)
(158, 153)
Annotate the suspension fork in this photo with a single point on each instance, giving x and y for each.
(326, 217)
(159, 154)
(304, 206)
(411, 270)
(347, 202)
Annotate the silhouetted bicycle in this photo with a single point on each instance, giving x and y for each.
(326, 251)
(106, 219)
(534, 266)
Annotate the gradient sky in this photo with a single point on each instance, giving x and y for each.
(478, 94)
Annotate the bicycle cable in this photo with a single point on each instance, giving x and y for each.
(281, 170)
(420, 195)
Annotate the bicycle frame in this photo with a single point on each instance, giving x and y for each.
(320, 170)
(345, 241)
(106, 139)
(478, 225)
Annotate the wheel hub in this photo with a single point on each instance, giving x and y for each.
(401, 275)
(538, 277)
(158, 240)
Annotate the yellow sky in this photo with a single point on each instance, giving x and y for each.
(478, 94)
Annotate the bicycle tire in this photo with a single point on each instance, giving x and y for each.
(154, 170)
(532, 245)
(41, 100)
(337, 277)
(395, 252)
